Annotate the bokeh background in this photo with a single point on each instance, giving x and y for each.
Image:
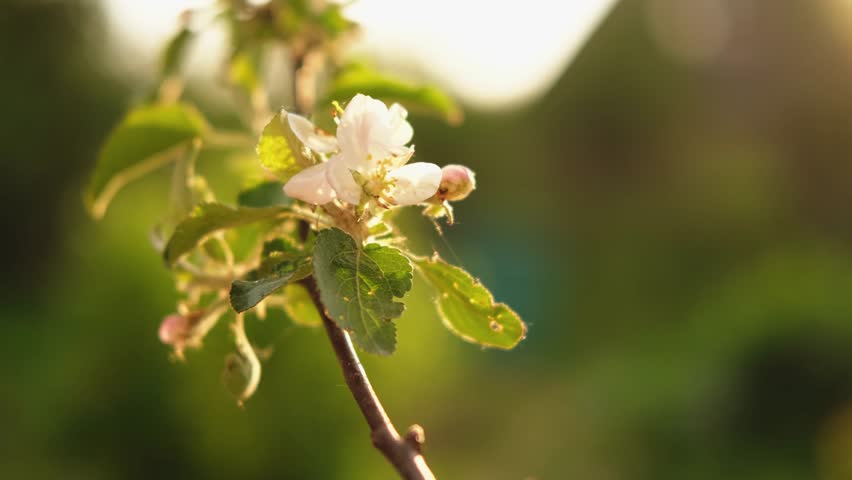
(672, 216)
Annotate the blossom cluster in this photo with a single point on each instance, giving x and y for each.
(368, 160)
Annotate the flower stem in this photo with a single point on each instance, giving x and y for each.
(403, 453)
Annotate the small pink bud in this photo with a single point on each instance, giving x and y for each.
(175, 330)
(457, 181)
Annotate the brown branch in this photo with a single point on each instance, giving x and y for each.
(402, 453)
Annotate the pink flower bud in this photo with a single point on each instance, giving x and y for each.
(457, 181)
(175, 330)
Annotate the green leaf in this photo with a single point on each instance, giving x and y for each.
(280, 151)
(242, 368)
(468, 309)
(266, 194)
(279, 245)
(213, 248)
(147, 138)
(175, 52)
(420, 99)
(358, 286)
(182, 197)
(282, 262)
(241, 375)
(296, 263)
(379, 230)
(208, 218)
(243, 70)
(300, 307)
(333, 21)
(245, 294)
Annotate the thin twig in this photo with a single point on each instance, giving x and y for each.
(403, 453)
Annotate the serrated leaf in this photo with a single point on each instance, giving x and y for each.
(266, 194)
(358, 287)
(468, 309)
(300, 307)
(208, 218)
(427, 100)
(245, 294)
(148, 137)
(279, 150)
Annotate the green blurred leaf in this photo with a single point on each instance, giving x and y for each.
(182, 197)
(208, 218)
(333, 21)
(213, 248)
(239, 375)
(300, 307)
(281, 244)
(266, 194)
(175, 52)
(468, 309)
(379, 230)
(147, 138)
(279, 151)
(243, 70)
(245, 294)
(242, 368)
(358, 286)
(427, 100)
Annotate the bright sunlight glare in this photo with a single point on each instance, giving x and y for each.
(490, 54)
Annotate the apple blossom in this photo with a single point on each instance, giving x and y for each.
(310, 185)
(457, 182)
(368, 158)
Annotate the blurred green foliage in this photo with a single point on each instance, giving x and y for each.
(679, 238)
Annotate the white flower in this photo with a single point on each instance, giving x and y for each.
(310, 185)
(368, 157)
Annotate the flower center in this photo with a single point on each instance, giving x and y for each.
(375, 182)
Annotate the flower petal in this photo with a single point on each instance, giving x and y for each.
(362, 132)
(339, 176)
(402, 156)
(310, 136)
(310, 185)
(362, 105)
(401, 130)
(414, 182)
